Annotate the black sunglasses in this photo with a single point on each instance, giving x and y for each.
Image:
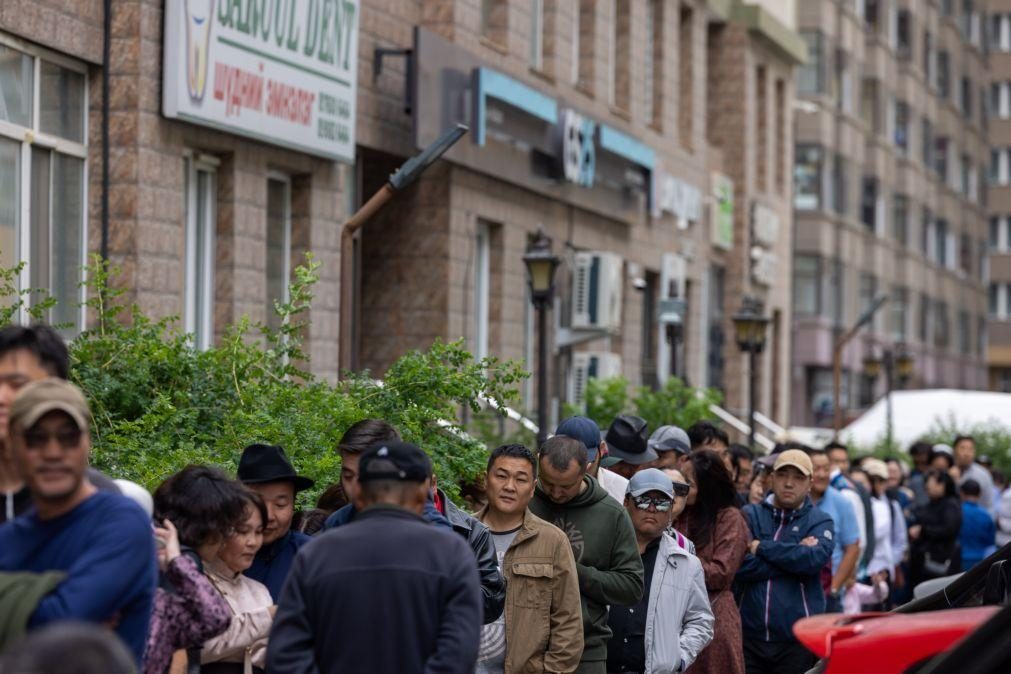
(681, 489)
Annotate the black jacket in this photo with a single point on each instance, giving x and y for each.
(386, 594)
(477, 535)
(940, 521)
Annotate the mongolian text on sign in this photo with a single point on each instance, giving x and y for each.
(280, 71)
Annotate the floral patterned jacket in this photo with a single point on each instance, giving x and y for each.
(187, 618)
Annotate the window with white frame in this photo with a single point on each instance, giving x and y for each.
(43, 175)
(1000, 234)
(1000, 301)
(482, 287)
(278, 244)
(1000, 35)
(201, 215)
(537, 34)
(1000, 99)
(1000, 166)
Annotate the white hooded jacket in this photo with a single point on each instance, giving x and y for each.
(679, 619)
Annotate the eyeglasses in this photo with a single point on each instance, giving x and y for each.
(67, 438)
(681, 489)
(661, 503)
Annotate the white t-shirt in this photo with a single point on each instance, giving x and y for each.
(615, 485)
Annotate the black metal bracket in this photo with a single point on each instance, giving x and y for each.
(379, 54)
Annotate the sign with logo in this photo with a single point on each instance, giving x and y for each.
(722, 215)
(280, 71)
(764, 235)
(676, 197)
(579, 154)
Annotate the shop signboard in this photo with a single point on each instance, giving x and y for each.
(676, 197)
(280, 71)
(764, 236)
(722, 215)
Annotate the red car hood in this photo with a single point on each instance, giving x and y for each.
(890, 641)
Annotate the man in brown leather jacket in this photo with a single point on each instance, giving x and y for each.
(542, 627)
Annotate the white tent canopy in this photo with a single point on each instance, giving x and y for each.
(915, 413)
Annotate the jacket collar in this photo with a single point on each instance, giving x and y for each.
(669, 547)
(270, 551)
(383, 511)
(528, 529)
(457, 518)
(769, 503)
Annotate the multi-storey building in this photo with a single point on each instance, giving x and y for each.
(890, 172)
(998, 31)
(205, 153)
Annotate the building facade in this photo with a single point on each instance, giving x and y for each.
(998, 27)
(890, 172)
(650, 139)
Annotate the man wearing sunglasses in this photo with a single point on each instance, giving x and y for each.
(99, 544)
(674, 602)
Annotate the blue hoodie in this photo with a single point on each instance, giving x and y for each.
(781, 583)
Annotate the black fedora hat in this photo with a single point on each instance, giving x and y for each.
(269, 463)
(628, 440)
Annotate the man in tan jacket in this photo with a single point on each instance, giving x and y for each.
(542, 627)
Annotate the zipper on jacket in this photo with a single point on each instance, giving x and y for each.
(768, 583)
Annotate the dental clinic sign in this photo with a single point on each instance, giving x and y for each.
(281, 71)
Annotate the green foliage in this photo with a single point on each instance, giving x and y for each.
(35, 301)
(159, 403)
(675, 404)
(992, 439)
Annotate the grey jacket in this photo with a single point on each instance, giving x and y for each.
(679, 620)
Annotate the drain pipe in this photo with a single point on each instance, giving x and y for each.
(106, 57)
(404, 176)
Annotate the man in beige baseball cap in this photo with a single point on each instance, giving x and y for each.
(792, 542)
(101, 541)
(46, 410)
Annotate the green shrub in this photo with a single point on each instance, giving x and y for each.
(159, 403)
(676, 403)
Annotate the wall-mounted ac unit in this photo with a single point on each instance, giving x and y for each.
(590, 365)
(596, 291)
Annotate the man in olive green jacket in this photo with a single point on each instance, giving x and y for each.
(541, 629)
(600, 533)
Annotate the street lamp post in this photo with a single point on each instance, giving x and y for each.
(749, 327)
(541, 264)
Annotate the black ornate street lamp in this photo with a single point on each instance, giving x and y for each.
(750, 326)
(541, 264)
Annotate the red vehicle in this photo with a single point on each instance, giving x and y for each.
(886, 643)
(959, 629)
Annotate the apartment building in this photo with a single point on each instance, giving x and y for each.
(205, 147)
(891, 196)
(998, 349)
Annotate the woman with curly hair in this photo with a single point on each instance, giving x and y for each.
(713, 522)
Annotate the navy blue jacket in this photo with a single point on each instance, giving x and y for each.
(273, 561)
(781, 583)
(106, 547)
(386, 593)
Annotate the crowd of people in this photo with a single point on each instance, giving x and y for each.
(614, 551)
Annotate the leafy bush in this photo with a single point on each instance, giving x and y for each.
(159, 403)
(675, 404)
(992, 439)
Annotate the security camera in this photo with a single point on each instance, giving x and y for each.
(639, 283)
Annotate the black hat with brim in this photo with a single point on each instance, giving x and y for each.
(628, 440)
(261, 464)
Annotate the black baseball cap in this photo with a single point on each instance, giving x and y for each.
(399, 461)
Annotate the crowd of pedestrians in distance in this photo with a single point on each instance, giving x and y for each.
(604, 551)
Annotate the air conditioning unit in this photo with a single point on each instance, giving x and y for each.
(596, 291)
(589, 365)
